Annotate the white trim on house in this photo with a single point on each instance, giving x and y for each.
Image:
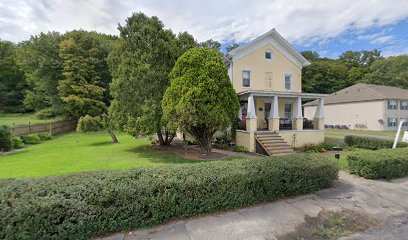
(276, 40)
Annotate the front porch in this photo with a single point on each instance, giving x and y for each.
(280, 113)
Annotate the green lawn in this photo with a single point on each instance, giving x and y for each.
(78, 152)
(342, 161)
(20, 118)
(347, 131)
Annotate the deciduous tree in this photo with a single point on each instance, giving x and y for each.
(12, 82)
(200, 99)
(85, 76)
(140, 65)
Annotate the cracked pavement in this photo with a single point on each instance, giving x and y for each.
(386, 201)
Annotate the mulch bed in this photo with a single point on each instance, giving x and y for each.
(188, 151)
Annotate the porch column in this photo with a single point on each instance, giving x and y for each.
(251, 123)
(297, 116)
(273, 118)
(318, 121)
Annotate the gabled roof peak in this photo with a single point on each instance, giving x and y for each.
(279, 40)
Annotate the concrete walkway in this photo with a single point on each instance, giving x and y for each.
(362, 135)
(385, 201)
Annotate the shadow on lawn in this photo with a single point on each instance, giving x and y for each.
(155, 156)
(101, 144)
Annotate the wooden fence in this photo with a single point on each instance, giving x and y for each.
(52, 127)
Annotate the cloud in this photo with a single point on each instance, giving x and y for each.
(225, 21)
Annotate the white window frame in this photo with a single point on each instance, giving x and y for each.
(404, 105)
(392, 106)
(290, 81)
(270, 52)
(393, 123)
(249, 79)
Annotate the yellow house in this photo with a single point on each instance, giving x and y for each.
(266, 73)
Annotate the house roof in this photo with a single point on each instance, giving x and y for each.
(284, 46)
(364, 92)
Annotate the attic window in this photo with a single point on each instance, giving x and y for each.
(268, 55)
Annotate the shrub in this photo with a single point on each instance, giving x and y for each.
(44, 136)
(84, 205)
(371, 143)
(327, 145)
(5, 138)
(384, 163)
(17, 143)
(89, 124)
(31, 139)
(238, 148)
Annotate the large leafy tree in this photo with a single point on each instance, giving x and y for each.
(210, 43)
(200, 99)
(360, 58)
(40, 61)
(232, 47)
(85, 73)
(140, 66)
(392, 71)
(310, 55)
(324, 76)
(12, 82)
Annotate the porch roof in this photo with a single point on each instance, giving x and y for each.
(266, 93)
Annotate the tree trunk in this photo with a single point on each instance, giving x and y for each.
(160, 136)
(113, 136)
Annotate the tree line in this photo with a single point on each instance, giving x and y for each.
(325, 75)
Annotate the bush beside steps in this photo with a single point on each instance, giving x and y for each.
(385, 163)
(86, 205)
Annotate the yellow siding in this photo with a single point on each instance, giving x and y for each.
(258, 65)
(302, 137)
(244, 139)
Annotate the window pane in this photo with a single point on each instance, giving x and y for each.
(246, 78)
(245, 74)
(288, 81)
(268, 55)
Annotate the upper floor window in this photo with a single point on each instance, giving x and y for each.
(405, 124)
(392, 122)
(392, 104)
(288, 82)
(246, 78)
(268, 55)
(404, 105)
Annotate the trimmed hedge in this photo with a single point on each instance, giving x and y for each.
(85, 205)
(371, 143)
(385, 163)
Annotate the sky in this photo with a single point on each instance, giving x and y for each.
(329, 27)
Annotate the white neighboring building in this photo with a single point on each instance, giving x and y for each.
(364, 107)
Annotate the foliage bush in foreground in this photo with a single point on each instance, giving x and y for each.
(384, 163)
(31, 139)
(84, 205)
(5, 138)
(370, 143)
(327, 145)
(17, 142)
